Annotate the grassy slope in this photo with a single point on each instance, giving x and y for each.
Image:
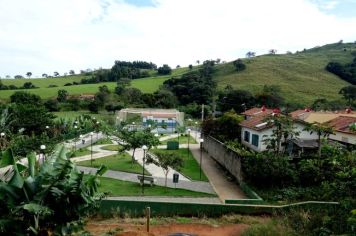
(301, 76)
(146, 85)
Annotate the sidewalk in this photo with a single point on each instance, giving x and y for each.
(224, 188)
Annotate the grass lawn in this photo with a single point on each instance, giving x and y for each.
(103, 141)
(121, 162)
(81, 152)
(114, 147)
(182, 139)
(123, 188)
(191, 166)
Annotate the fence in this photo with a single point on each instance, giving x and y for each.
(225, 156)
(136, 208)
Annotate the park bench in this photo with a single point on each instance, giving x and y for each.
(149, 179)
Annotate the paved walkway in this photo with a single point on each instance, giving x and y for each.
(196, 200)
(224, 188)
(197, 186)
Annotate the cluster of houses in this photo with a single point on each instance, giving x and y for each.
(255, 129)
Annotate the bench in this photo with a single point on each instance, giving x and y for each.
(149, 179)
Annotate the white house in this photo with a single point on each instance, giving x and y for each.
(343, 132)
(254, 128)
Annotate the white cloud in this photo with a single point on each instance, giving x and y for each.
(46, 36)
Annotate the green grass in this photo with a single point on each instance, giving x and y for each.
(121, 162)
(191, 166)
(114, 147)
(302, 76)
(146, 85)
(103, 141)
(182, 139)
(81, 152)
(123, 188)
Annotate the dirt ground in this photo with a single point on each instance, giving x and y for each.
(129, 229)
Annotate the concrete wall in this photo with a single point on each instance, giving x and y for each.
(226, 157)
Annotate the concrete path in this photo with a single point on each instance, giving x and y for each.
(197, 186)
(216, 175)
(99, 153)
(196, 200)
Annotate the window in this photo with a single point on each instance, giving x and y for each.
(255, 140)
(247, 136)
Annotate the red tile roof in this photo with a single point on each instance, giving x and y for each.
(258, 111)
(342, 124)
(256, 123)
(300, 114)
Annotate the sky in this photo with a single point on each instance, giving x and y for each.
(43, 36)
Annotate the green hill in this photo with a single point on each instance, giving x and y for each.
(301, 76)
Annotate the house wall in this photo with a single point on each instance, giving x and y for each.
(305, 135)
(343, 137)
(261, 145)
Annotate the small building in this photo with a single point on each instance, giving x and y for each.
(166, 118)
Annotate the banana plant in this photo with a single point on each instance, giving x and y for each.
(46, 199)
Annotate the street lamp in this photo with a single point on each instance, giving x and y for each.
(91, 148)
(2, 143)
(97, 129)
(43, 148)
(201, 154)
(144, 147)
(188, 140)
(196, 129)
(75, 138)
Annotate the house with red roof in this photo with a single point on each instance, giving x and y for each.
(255, 127)
(344, 129)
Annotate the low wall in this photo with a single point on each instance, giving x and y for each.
(225, 156)
(136, 208)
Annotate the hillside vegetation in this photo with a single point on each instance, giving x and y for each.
(301, 76)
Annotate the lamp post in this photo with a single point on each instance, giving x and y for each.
(75, 139)
(201, 155)
(91, 148)
(144, 147)
(133, 125)
(2, 143)
(196, 129)
(43, 148)
(97, 129)
(188, 140)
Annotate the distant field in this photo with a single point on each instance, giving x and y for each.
(146, 85)
(74, 114)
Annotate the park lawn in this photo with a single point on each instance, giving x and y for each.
(182, 139)
(114, 147)
(121, 162)
(103, 141)
(81, 152)
(190, 168)
(124, 188)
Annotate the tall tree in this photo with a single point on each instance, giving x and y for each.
(349, 93)
(29, 74)
(323, 131)
(62, 95)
